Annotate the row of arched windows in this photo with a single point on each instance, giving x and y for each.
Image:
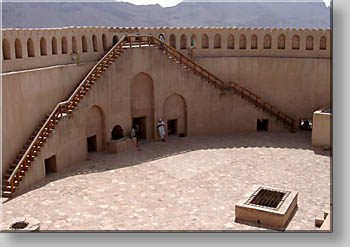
(30, 48)
(267, 42)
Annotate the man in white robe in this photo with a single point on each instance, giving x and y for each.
(161, 129)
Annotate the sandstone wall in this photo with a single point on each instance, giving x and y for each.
(35, 48)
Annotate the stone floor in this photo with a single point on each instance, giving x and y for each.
(189, 183)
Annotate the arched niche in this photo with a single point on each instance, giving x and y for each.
(205, 41)
(54, 46)
(74, 46)
(95, 128)
(175, 115)
(267, 41)
(64, 45)
(43, 47)
(281, 41)
(295, 42)
(104, 42)
(18, 49)
(193, 41)
(309, 43)
(142, 104)
(30, 48)
(117, 132)
(183, 42)
(230, 42)
(323, 43)
(242, 42)
(172, 40)
(84, 43)
(254, 42)
(115, 39)
(217, 41)
(94, 43)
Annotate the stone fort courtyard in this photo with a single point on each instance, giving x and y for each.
(190, 183)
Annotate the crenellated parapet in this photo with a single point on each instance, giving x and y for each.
(41, 47)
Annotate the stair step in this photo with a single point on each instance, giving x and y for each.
(7, 194)
(8, 188)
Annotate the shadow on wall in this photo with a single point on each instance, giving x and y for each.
(177, 145)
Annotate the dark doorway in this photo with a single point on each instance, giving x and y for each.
(262, 125)
(92, 143)
(172, 127)
(140, 124)
(117, 133)
(50, 165)
(305, 124)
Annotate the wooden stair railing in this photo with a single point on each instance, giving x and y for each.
(188, 63)
(25, 158)
(27, 155)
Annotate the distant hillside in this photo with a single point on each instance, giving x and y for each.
(234, 14)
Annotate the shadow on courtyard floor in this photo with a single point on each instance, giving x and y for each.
(154, 150)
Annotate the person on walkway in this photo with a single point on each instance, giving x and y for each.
(161, 38)
(161, 129)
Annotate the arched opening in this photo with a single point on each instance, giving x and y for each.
(54, 46)
(6, 50)
(117, 132)
(309, 43)
(104, 42)
(217, 41)
(175, 116)
(193, 41)
(323, 43)
(142, 104)
(183, 42)
(172, 40)
(295, 42)
(242, 42)
(43, 47)
(115, 39)
(94, 43)
(74, 46)
(267, 41)
(281, 42)
(230, 42)
(64, 45)
(254, 42)
(205, 41)
(95, 129)
(30, 48)
(18, 48)
(84, 43)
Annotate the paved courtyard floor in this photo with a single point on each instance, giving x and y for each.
(189, 183)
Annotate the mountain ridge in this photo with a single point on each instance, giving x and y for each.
(214, 14)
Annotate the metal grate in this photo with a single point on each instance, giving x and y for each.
(268, 198)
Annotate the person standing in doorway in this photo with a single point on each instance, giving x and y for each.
(161, 129)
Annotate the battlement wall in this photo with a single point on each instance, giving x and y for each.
(41, 47)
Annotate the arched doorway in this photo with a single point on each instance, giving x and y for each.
(142, 104)
(175, 116)
(117, 132)
(95, 129)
